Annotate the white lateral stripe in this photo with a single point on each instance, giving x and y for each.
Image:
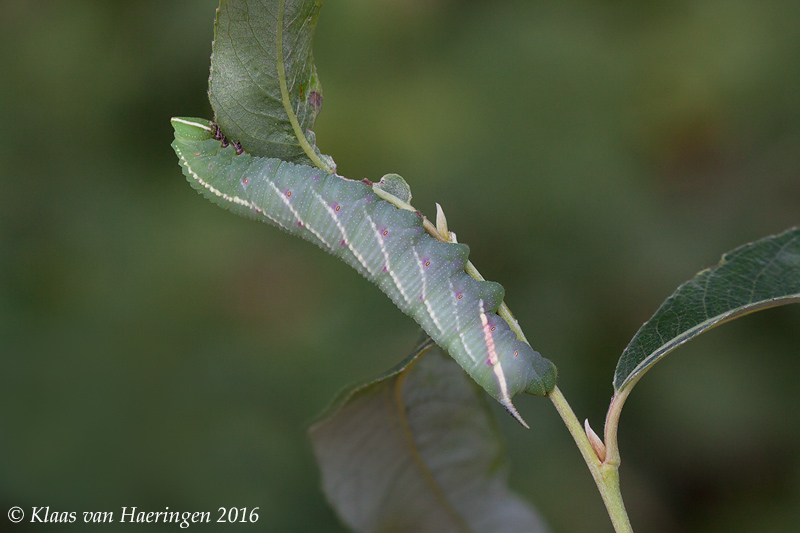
(346, 240)
(428, 305)
(458, 323)
(368, 217)
(286, 201)
(232, 199)
(190, 123)
(487, 334)
(296, 215)
(497, 367)
(389, 268)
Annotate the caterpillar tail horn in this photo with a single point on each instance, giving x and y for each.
(506, 402)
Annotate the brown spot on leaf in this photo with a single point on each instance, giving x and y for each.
(315, 99)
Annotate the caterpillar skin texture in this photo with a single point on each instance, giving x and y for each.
(424, 277)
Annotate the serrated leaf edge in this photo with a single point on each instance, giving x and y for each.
(715, 321)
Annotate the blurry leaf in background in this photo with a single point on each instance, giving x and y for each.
(417, 451)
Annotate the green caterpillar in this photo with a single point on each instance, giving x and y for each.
(388, 245)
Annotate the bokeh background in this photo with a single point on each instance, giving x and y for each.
(157, 351)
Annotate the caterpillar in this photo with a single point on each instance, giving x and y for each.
(389, 246)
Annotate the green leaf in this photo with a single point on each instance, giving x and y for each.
(418, 451)
(263, 85)
(395, 185)
(755, 276)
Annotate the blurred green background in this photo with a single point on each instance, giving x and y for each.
(157, 351)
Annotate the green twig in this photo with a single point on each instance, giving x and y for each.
(605, 474)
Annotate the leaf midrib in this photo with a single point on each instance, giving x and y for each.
(287, 103)
(416, 456)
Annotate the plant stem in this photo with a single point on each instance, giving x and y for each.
(605, 474)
